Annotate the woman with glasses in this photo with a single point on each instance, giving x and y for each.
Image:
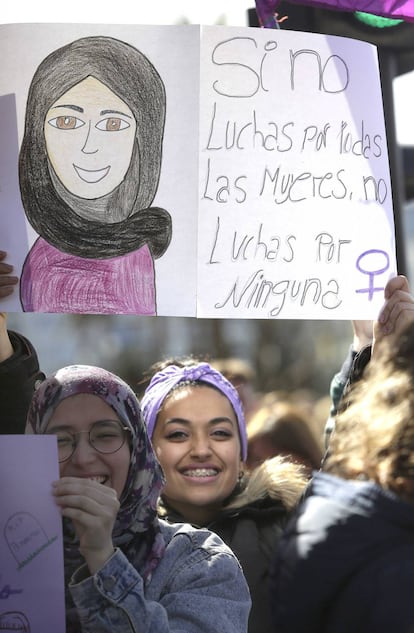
(125, 569)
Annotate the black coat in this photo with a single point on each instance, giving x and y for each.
(19, 377)
(346, 562)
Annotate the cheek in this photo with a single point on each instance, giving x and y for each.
(231, 453)
(167, 455)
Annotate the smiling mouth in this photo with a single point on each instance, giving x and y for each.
(101, 479)
(92, 175)
(201, 472)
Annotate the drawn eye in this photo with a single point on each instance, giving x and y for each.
(66, 122)
(112, 124)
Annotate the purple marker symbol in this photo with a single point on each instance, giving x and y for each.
(372, 273)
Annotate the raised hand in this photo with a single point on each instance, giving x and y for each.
(92, 507)
(397, 311)
(7, 280)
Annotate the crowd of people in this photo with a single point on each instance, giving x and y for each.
(184, 512)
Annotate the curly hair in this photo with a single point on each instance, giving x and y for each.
(374, 436)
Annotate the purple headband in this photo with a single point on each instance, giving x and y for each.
(164, 381)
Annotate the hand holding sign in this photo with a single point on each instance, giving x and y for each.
(396, 313)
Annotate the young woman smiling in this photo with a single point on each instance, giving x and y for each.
(126, 570)
(195, 420)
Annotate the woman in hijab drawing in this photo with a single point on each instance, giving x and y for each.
(89, 169)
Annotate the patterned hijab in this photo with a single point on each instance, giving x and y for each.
(136, 531)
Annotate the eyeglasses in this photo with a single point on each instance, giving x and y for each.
(105, 436)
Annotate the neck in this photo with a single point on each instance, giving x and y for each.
(199, 516)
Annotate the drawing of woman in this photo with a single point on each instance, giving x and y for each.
(89, 169)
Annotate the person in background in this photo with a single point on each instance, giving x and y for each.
(396, 313)
(196, 423)
(19, 377)
(19, 366)
(242, 375)
(345, 562)
(281, 428)
(126, 569)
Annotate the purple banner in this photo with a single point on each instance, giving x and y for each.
(397, 9)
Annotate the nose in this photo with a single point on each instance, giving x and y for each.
(200, 446)
(89, 147)
(84, 453)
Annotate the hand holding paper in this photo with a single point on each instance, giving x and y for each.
(7, 280)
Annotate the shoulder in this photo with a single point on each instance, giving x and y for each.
(183, 538)
(198, 558)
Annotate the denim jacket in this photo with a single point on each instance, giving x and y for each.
(198, 587)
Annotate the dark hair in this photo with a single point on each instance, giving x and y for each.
(130, 75)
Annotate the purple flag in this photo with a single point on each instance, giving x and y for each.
(397, 9)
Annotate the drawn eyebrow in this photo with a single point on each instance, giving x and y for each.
(114, 112)
(70, 106)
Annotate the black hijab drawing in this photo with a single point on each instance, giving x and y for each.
(89, 169)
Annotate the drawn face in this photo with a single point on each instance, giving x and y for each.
(79, 413)
(89, 134)
(196, 440)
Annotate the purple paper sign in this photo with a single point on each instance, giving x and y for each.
(396, 9)
(31, 549)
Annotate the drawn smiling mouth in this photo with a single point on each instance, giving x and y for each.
(91, 175)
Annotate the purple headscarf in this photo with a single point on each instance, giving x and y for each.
(136, 530)
(201, 373)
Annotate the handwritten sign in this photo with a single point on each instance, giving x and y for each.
(295, 214)
(273, 173)
(31, 550)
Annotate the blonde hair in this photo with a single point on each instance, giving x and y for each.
(374, 435)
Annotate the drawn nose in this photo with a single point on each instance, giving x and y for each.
(89, 147)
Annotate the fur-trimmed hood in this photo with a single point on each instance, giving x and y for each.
(278, 479)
